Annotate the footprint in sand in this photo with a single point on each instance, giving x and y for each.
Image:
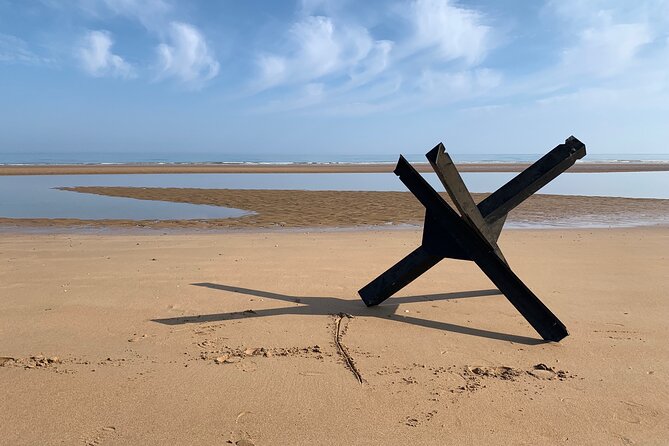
(635, 413)
(542, 371)
(100, 436)
(417, 420)
(5, 360)
(137, 338)
(542, 374)
(244, 438)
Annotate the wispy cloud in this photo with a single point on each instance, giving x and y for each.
(97, 58)
(435, 48)
(150, 13)
(319, 47)
(609, 37)
(607, 49)
(16, 50)
(455, 32)
(598, 50)
(319, 7)
(451, 86)
(186, 56)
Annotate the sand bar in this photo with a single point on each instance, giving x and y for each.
(85, 169)
(345, 209)
(208, 339)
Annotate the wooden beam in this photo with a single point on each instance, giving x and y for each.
(531, 179)
(398, 276)
(457, 189)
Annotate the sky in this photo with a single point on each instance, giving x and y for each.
(340, 77)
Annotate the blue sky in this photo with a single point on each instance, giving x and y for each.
(333, 76)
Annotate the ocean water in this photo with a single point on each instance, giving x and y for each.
(37, 197)
(37, 158)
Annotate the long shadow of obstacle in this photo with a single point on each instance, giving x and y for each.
(325, 306)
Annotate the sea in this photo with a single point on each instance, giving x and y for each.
(28, 196)
(47, 158)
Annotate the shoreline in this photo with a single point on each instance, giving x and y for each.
(97, 169)
(45, 229)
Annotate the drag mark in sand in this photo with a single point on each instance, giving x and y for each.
(341, 348)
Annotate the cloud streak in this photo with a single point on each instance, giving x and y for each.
(150, 13)
(14, 50)
(436, 45)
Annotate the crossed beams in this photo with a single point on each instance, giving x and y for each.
(473, 234)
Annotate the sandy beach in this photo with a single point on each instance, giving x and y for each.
(244, 338)
(249, 330)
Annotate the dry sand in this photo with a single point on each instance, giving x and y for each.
(84, 169)
(232, 338)
(328, 209)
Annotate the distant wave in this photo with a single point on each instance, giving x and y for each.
(131, 159)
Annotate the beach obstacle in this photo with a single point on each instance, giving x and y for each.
(472, 234)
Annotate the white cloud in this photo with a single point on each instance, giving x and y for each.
(187, 56)
(97, 59)
(273, 69)
(607, 49)
(608, 41)
(597, 45)
(377, 61)
(318, 48)
(456, 32)
(611, 36)
(183, 53)
(436, 45)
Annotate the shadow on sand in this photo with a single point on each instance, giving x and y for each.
(326, 306)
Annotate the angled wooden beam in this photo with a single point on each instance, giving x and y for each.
(517, 190)
(455, 187)
(398, 276)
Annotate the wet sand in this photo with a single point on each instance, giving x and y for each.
(79, 169)
(342, 209)
(250, 339)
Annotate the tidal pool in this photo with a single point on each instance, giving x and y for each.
(37, 197)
